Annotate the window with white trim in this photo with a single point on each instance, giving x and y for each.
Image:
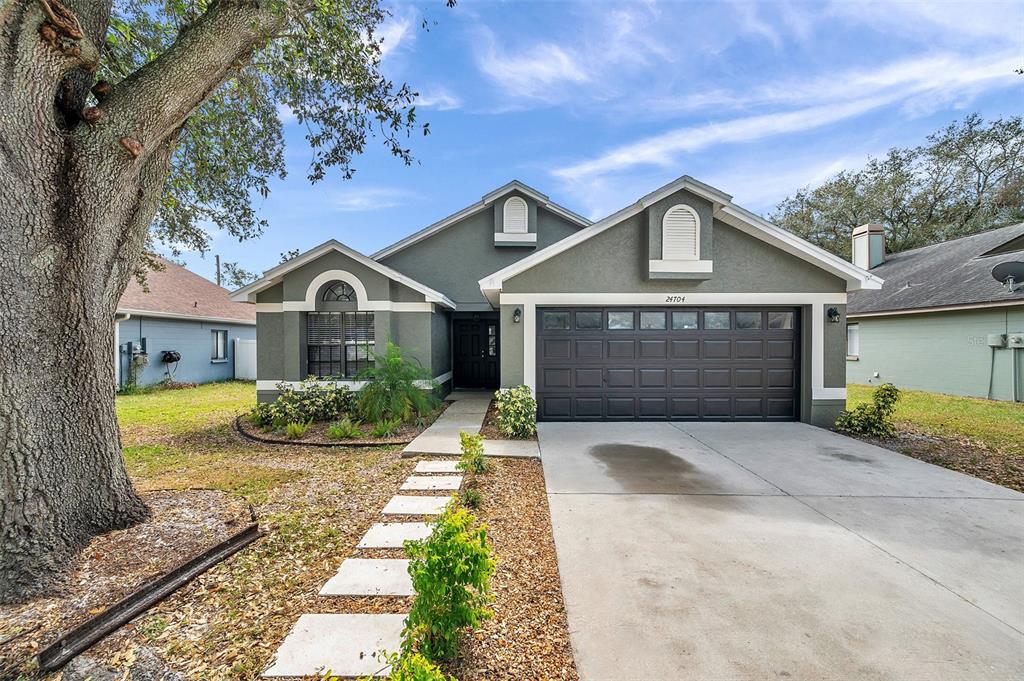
(516, 216)
(219, 351)
(680, 234)
(338, 344)
(853, 340)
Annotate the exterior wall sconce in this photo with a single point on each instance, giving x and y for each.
(833, 315)
(517, 315)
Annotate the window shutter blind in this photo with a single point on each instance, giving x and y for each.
(516, 216)
(358, 328)
(323, 328)
(679, 234)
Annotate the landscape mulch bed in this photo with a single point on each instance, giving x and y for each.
(317, 433)
(490, 427)
(959, 454)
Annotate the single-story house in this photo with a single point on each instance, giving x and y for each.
(180, 312)
(941, 322)
(682, 305)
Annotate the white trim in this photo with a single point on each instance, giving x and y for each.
(681, 266)
(530, 345)
(186, 317)
(695, 254)
(522, 237)
(725, 210)
(275, 275)
(828, 393)
(485, 202)
(351, 384)
(269, 307)
(942, 308)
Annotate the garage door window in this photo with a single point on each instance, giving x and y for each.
(748, 320)
(588, 320)
(684, 321)
(556, 321)
(780, 320)
(620, 321)
(714, 321)
(652, 320)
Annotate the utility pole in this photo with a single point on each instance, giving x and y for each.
(217, 259)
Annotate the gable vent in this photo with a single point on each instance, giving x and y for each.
(680, 234)
(516, 216)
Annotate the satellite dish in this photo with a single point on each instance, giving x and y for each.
(1009, 274)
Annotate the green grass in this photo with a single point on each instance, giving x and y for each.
(179, 411)
(997, 425)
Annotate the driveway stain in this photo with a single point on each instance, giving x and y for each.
(650, 469)
(837, 453)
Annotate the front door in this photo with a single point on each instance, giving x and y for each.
(476, 351)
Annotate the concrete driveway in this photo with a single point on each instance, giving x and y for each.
(765, 551)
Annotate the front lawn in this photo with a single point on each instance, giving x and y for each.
(984, 438)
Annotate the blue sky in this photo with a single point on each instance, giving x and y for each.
(596, 103)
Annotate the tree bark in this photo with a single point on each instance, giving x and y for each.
(76, 202)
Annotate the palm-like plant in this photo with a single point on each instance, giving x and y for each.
(397, 388)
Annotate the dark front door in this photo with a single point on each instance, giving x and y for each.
(476, 351)
(715, 363)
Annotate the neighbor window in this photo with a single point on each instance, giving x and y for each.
(748, 320)
(716, 321)
(780, 320)
(620, 321)
(680, 234)
(652, 320)
(516, 216)
(557, 321)
(220, 345)
(339, 344)
(588, 320)
(684, 321)
(853, 340)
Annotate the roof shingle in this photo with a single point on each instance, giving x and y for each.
(177, 291)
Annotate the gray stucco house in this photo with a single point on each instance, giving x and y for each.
(179, 311)
(941, 322)
(682, 305)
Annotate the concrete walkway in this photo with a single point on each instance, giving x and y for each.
(466, 414)
(779, 550)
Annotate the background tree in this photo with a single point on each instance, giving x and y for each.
(966, 178)
(119, 116)
(235, 276)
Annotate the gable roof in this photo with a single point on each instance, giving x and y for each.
(485, 201)
(275, 274)
(955, 273)
(724, 210)
(177, 293)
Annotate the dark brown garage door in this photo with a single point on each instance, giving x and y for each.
(616, 363)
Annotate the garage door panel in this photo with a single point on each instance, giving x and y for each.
(683, 372)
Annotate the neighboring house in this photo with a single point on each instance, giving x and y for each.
(681, 305)
(182, 312)
(940, 321)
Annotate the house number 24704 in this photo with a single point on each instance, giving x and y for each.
(675, 299)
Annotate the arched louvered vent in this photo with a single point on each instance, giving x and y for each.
(680, 234)
(516, 216)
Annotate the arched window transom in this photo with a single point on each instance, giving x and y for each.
(516, 217)
(340, 292)
(680, 234)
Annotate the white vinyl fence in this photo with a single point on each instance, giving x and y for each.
(245, 360)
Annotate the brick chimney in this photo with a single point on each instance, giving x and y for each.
(869, 246)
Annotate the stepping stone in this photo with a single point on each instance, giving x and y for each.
(406, 505)
(343, 644)
(436, 467)
(370, 577)
(420, 482)
(392, 535)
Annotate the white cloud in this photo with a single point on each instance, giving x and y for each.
(356, 200)
(533, 72)
(438, 98)
(396, 32)
(750, 21)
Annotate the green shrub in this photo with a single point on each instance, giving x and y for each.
(451, 573)
(517, 412)
(392, 391)
(470, 498)
(344, 429)
(875, 419)
(313, 400)
(386, 428)
(410, 667)
(296, 431)
(472, 459)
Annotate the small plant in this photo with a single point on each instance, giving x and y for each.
(386, 427)
(344, 429)
(451, 574)
(472, 459)
(410, 667)
(296, 431)
(393, 389)
(517, 412)
(313, 400)
(875, 419)
(470, 498)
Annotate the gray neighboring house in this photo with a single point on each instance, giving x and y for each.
(179, 311)
(681, 305)
(941, 322)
